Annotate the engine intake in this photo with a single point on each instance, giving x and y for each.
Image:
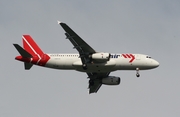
(111, 80)
(101, 57)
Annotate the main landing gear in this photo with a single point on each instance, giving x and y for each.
(84, 66)
(137, 72)
(91, 82)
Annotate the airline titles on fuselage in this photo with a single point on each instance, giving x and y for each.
(77, 55)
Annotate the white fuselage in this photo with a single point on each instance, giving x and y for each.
(116, 62)
(97, 65)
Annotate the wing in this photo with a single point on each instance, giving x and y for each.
(84, 50)
(95, 81)
(95, 87)
(82, 47)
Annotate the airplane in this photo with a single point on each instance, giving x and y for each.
(97, 65)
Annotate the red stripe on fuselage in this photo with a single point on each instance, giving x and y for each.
(132, 58)
(34, 59)
(124, 55)
(128, 55)
(44, 60)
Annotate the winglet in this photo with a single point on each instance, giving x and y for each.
(59, 22)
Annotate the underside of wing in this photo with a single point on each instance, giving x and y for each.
(95, 86)
(95, 81)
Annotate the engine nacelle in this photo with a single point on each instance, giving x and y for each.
(101, 57)
(111, 80)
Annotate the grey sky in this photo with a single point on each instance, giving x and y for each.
(120, 26)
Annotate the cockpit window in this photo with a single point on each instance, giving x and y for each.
(148, 57)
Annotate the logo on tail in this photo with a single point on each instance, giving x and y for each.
(31, 46)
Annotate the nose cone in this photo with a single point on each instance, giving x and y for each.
(155, 63)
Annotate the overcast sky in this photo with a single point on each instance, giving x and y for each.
(119, 26)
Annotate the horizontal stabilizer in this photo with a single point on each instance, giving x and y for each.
(27, 66)
(22, 52)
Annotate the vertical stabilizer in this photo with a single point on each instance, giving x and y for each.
(30, 45)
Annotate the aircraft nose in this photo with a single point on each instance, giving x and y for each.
(155, 63)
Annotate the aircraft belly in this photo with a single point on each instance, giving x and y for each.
(58, 63)
(96, 67)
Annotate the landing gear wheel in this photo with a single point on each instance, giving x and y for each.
(138, 75)
(137, 72)
(84, 66)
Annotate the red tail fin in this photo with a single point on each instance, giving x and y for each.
(38, 56)
(30, 45)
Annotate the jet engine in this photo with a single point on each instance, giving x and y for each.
(111, 80)
(101, 57)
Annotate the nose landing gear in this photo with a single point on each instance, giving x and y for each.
(137, 72)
